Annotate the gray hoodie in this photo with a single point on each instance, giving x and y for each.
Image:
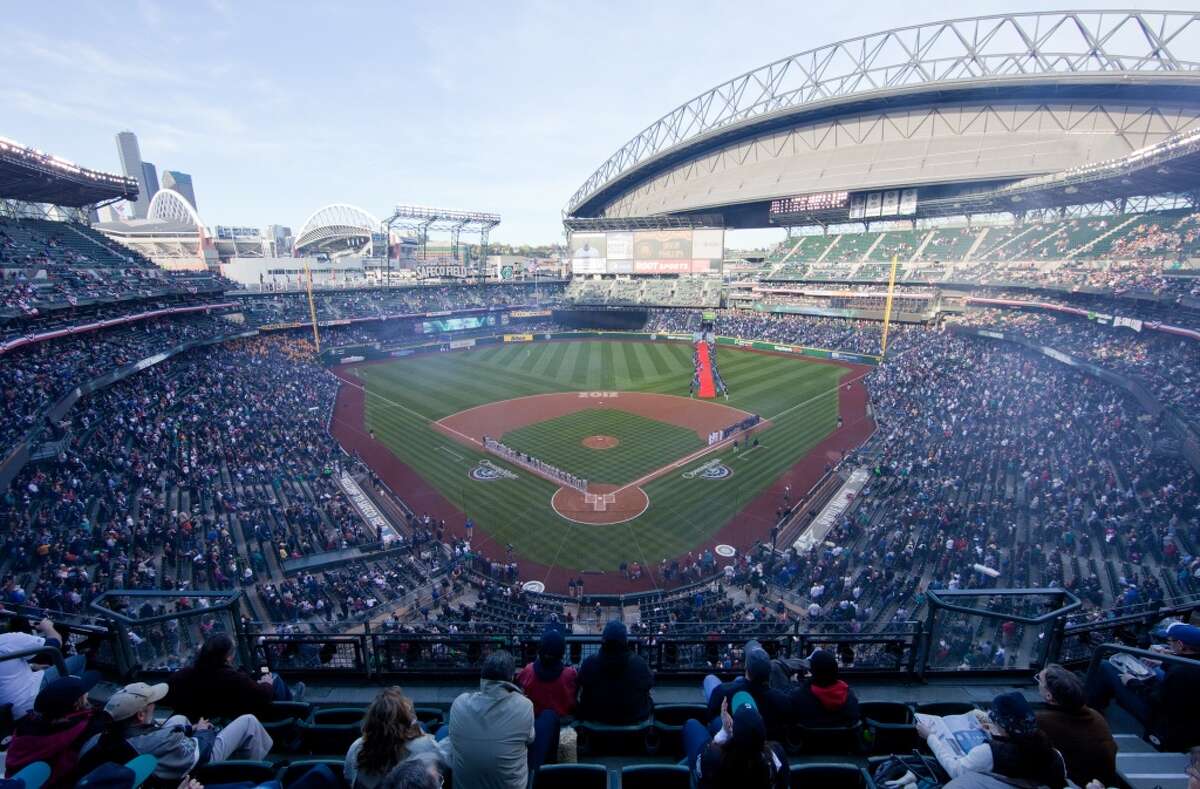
(490, 731)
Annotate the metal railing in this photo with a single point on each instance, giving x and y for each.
(153, 632)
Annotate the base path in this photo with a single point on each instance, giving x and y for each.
(496, 419)
(750, 525)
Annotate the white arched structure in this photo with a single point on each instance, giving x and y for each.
(170, 206)
(337, 225)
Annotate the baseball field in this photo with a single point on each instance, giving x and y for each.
(615, 413)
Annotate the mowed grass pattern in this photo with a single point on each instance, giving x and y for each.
(643, 444)
(404, 395)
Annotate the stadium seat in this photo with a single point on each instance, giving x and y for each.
(826, 775)
(655, 776)
(234, 771)
(826, 739)
(669, 720)
(604, 738)
(890, 726)
(330, 731)
(571, 776)
(280, 722)
(945, 708)
(293, 771)
(430, 717)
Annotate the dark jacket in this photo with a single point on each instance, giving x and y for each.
(707, 773)
(223, 693)
(1174, 721)
(1030, 760)
(1085, 741)
(57, 743)
(771, 706)
(829, 705)
(614, 688)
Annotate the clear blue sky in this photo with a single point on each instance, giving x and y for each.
(279, 108)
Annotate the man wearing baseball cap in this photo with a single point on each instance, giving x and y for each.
(178, 745)
(60, 723)
(1165, 702)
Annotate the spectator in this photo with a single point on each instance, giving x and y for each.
(55, 731)
(548, 683)
(1165, 702)
(756, 682)
(1076, 730)
(391, 734)
(492, 741)
(212, 688)
(1015, 748)
(615, 683)
(738, 755)
(19, 683)
(178, 745)
(823, 699)
(414, 774)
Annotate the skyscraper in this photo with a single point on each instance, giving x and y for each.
(131, 167)
(150, 173)
(180, 182)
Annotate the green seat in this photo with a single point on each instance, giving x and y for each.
(293, 771)
(655, 776)
(571, 776)
(827, 775)
(891, 727)
(234, 771)
(847, 740)
(629, 738)
(327, 738)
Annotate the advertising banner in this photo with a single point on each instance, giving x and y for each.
(587, 253)
(874, 204)
(620, 246)
(456, 344)
(620, 266)
(662, 245)
(908, 202)
(518, 338)
(530, 313)
(708, 244)
(891, 203)
(662, 266)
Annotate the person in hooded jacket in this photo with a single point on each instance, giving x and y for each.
(615, 683)
(547, 682)
(1016, 749)
(823, 699)
(56, 729)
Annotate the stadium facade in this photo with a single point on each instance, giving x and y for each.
(890, 124)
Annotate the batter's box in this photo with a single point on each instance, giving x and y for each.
(600, 501)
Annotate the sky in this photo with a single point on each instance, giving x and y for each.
(277, 109)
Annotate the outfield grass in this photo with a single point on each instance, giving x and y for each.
(405, 395)
(644, 444)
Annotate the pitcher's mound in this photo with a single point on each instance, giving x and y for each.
(600, 442)
(600, 505)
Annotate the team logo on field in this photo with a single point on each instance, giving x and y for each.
(713, 469)
(487, 471)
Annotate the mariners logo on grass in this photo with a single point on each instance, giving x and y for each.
(487, 471)
(713, 469)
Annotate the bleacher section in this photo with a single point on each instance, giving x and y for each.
(682, 292)
(1104, 252)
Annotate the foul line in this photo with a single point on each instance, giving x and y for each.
(405, 408)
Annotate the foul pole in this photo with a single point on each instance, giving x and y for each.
(312, 309)
(887, 307)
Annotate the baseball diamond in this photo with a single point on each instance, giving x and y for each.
(420, 421)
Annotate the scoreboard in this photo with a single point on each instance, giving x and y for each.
(806, 204)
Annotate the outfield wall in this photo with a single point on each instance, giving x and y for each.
(358, 353)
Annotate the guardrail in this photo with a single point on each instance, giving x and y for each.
(156, 631)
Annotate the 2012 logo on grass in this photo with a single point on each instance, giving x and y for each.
(487, 471)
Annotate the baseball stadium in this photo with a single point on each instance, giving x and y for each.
(908, 496)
